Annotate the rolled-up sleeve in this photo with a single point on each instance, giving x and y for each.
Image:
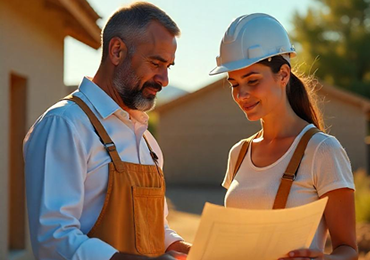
(55, 169)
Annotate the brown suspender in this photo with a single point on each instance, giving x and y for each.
(290, 172)
(242, 153)
(102, 133)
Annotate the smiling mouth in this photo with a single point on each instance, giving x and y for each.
(250, 107)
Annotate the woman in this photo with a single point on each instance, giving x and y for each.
(255, 52)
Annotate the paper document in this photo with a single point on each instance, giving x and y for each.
(229, 233)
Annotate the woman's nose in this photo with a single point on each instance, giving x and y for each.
(242, 93)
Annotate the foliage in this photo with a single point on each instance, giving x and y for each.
(362, 196)
(153, 122)
(334, 42)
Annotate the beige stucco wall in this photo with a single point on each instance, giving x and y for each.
(196, 135)
(348, 123)
(31, 45)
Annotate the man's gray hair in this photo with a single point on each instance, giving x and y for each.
(130, 22)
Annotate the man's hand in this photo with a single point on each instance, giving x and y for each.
(176, 251)
(180, 246)
(169, 255)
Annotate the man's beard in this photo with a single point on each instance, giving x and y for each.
(127, 83)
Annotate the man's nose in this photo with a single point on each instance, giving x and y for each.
(162, 77)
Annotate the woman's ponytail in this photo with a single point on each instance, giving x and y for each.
(303, 101)
(301, 95)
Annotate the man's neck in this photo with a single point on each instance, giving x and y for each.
(103, 79)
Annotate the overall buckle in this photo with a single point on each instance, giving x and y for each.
(289, 177)
(110, 147)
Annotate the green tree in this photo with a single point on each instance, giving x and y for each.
(362, 196)
(334, 42)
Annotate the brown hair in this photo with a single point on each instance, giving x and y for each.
(130, 22)
(300, 92)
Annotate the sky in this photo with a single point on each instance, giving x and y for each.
(202, 24)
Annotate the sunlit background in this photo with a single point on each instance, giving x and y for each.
(202, 25)
(195, 131)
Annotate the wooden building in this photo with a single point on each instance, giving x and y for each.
(31, 79)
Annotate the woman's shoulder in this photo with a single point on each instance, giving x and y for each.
(322, 139)
(323, 144)
(238, 145)
(235, 149)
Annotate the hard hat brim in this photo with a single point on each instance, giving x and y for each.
(242, 64)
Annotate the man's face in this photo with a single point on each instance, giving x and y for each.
(141, 75)
(130, 90)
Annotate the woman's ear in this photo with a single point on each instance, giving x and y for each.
(117, 50)
(284, 74)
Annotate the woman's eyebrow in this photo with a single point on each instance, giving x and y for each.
(246, 75)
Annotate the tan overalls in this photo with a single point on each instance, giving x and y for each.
(131, 219)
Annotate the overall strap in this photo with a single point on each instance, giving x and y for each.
(292, 169)
(100, 130)
(242, 153)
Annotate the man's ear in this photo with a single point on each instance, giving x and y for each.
(117, 50)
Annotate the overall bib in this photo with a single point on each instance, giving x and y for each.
(131, 219)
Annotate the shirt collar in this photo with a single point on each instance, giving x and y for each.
(103, 103)
(139, 116)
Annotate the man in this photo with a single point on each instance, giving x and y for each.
(95, 188)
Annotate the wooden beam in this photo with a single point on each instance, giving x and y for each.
(87, 23)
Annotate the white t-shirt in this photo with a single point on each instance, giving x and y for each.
(324, 167)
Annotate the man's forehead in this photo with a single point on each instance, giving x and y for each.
(158, 43)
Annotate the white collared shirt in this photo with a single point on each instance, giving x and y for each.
(66, 171)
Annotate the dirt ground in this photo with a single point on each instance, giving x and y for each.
(186, 204)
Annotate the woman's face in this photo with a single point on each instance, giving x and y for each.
(258, 91)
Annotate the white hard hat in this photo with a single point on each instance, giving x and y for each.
(250, 39)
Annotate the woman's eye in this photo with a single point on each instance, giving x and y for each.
(253, 82)
(233, 85)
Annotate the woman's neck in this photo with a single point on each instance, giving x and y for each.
(282, 125)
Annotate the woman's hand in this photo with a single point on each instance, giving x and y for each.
(340, 219)
(341, 252)
(304, 254)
